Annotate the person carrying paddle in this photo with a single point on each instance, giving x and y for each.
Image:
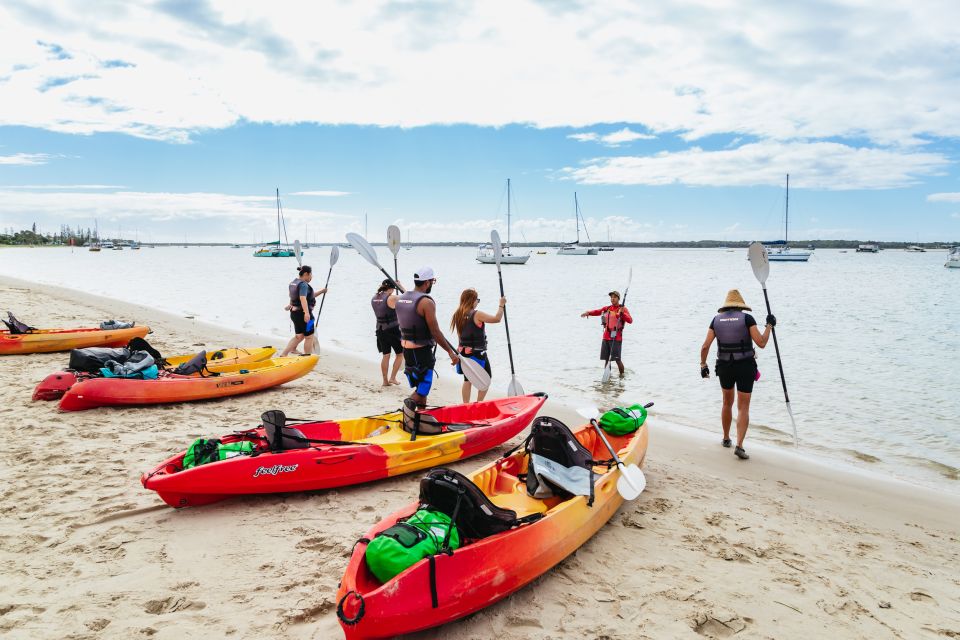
(470, 324)
(384, 305)
(735, 332)
(420, 335)
(302, 300)
(612, 318)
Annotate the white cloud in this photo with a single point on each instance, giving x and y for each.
(884, 72)
(26, 158)
(614, 139)
(943, 197)
(327, 194)
(815, 165)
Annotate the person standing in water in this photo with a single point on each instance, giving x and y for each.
(384, 304)
(302, 300)
(735, 332)
(612, 318)
(470, 324)
(420, 335)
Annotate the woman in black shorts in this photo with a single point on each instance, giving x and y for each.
(736, 332)
(302, 300)
(384, 303)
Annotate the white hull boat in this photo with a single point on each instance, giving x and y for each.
(485, 254)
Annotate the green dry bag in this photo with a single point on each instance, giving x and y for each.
(407, 543)
(623, 420)
(206, 450)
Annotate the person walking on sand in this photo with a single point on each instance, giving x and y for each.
(470, 324)
(735, 332)
(384, 304)
(420, 335)
(302, 300)
(612, 318)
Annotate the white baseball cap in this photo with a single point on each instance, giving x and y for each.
(424, 273)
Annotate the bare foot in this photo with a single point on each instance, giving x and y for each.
(385, 384)
(394, 382)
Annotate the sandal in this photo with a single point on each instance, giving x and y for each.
(726, 442)
(740, 453)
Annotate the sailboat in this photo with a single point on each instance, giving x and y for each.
(607, 248)
(408, 246)
(275, 249)
(575, 249)
(778, 251)
(95, 243)
(485, 253)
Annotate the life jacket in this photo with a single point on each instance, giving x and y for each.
(413, 326)
(611, 322)
(471, 335)
(293, 290)
(733, 336)
(386, 317)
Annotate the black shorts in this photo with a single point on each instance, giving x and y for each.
(389, 339)
(605, 349)
(419, 368)
(739, 373)
(299, 324)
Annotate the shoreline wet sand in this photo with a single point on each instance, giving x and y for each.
(774, 547)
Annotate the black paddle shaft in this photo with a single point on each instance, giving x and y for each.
(776, 347)
(324, 297)
(506, 323)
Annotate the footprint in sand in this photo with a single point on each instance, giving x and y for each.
(171, 605)
(920, 596)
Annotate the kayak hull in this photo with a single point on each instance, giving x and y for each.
(51, 340)
(487, 570)
(56, 384)
(246, 378)
(388, 452)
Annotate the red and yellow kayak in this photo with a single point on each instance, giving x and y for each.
(50, 340)
(382, 450)
(484, 571)
(232, 380)
(56, 384)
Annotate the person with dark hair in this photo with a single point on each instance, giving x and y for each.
(420, 335)
(470, 324)
(384, 304)
(302, 300)
(612, 318)
(735, 332)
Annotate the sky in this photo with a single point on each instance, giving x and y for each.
(677, 120)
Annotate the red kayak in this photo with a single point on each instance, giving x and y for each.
(351, 452)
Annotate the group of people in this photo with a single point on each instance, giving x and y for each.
(407, 327)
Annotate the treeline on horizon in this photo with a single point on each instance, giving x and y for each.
(79, 237)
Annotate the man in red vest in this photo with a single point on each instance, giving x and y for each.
(612, 318)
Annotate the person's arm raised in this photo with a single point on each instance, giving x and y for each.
(491, 319)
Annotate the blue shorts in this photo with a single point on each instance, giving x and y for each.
(419, 369)
(480, 357)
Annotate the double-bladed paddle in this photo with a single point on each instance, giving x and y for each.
(334, 256)
(761, 269)
(606, 368)
(514, 388)
(631, 482)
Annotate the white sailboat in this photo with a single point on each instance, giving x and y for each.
(953, 259)
(95, 243)
(408, 246)
(276, 249)
(869, 247)
(779, 251)
(485, 254)
(575, 249)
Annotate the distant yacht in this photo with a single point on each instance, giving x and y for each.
(485, 253)
(915, 248)
(275, 249)
(869, 247)
(780, 251)
(575, 249)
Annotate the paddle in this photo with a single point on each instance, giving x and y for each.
(476, 375)
(298, 253)
(606, 368)
(394, 242)
(334, 256)
(631, 482)
(370, 255)
(514, 388)
(761, 269)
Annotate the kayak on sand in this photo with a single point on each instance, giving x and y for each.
(50, 340)
(506, 540)
(340, 453)
(56, 384)
(232, 380)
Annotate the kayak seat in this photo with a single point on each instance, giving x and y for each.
(280, 437)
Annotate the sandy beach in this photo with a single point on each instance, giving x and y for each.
(777, 547)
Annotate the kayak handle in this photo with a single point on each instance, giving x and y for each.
(343, 617)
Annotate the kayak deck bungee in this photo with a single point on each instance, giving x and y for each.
(380, 449)
(450, 585)
(56, 384)
(231, 380)
(51, 340)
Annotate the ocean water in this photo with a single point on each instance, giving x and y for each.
(870, 342)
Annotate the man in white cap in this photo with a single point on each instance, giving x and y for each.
(420, 335)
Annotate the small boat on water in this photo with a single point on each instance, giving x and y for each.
(780, 251)
(575, 249)
(953, 259)
(486, 254)
(915, 248)
(275, 249)
(869, 247)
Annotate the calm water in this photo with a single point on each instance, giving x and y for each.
(870, 342)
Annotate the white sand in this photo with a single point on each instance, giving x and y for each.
(770, 548)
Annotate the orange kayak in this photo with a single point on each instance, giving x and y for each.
(50, 340)
(231, 380)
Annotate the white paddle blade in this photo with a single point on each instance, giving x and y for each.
(514, 388)
(297, 252)
(759, 261)
(631, 482)
(363, 248)
(475, 374)
(334, 255)
(606, 373)
(393, 239)
(497, 245)
(793, 422)
(590, 413)
(629, 280)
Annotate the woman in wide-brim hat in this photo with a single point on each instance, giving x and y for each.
(736, 333)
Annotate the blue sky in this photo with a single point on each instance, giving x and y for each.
(678, 122)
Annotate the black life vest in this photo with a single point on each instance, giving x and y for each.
(386, 317)
(733, 336)
(471, 335)
(413, 326)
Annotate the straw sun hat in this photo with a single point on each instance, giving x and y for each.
(734, 301)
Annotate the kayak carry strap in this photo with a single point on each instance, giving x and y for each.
(360, 611)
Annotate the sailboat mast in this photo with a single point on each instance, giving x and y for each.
(576, 215)
(508, 212)
(278, 217)
(786, 215)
